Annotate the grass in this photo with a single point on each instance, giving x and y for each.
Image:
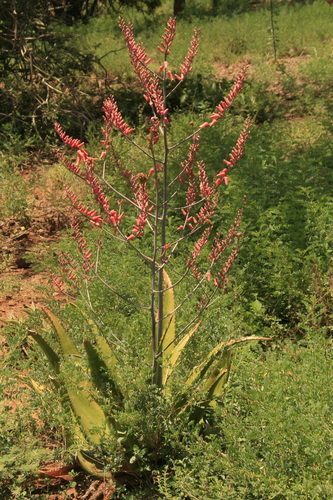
(274, 436)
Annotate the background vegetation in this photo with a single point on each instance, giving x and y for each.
(275, 438)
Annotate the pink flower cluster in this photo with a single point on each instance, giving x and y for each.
(238, 151)
(153, 136)
(168, 37)
(82, 245)
(196, 252)
(220, 244)
(219, 247)
(221, 281)
(73, 143)
(113, 216)
(235, 155)
(186, 67)
(68, 266)
(148, 79)
(188, 171)
(92, 214)
(142, 199)
(57, 282)
(112, 115)
(227, 101)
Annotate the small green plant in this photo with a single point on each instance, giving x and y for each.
(174, 205)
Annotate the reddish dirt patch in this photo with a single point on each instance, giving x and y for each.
(20, 281)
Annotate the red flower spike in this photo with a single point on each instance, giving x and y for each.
(113, 116)
(236, 89)
(195, 254)
(142, 199)
(139, 60)
(238, 151)
(168, 37)
(186, 67)
(73, 143)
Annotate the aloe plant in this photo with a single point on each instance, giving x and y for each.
(153, 197)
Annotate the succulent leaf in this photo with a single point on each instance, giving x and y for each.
(106, 353)
(66, 343)
(89, 415)
(91, 465)
(48, 351)
(176, 352)
(101, 374)
(169, 321)
(199, 371)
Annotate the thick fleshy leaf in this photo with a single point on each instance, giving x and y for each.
(48, 351)
(218, 376)
(169, 321)
(89, 415)
(199, 372)
(101, 374)
(177, 349)
(66, 343)
(91, 465)
(107, 355)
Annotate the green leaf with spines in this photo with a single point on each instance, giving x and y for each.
(80, 390)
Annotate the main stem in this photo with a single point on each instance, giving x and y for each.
(162, 219)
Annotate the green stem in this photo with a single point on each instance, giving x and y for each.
(162, 222)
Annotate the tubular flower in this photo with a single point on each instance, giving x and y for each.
(238, 151)
(81, 241)
(68, 266)
(195, 254)
(72, 167)
(168, 37)
(92, 214)
(153, 136)
(220, 244)
(226, 103)
(142, 199)
(139, 60)
(205, 189)
(112, 115)
(57, 282)
(188, 171)
(73, 143)
(221, 177)
(186, 67)
(221, 281)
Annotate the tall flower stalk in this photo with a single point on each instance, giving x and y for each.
(142, 211)
(153, 191)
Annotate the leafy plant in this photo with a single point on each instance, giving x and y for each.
(174, 204)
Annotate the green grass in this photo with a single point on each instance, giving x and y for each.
(276, 430)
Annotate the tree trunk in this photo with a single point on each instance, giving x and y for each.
(178, 7)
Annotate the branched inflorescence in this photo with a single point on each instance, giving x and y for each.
(148, 79)
(149, 194)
